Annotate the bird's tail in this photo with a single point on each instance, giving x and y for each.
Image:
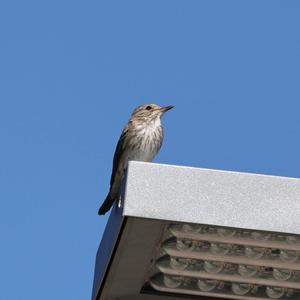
(107, 204)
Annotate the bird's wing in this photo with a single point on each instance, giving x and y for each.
(118, 154)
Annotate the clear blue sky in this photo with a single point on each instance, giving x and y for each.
(70, 74)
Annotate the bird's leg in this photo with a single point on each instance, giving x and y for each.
(121, 188)
(120, 201)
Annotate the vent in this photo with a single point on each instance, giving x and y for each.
(227, 263)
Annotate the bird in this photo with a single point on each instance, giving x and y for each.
(140, 140)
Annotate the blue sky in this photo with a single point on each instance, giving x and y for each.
(71, 72)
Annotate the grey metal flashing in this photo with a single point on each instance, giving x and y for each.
(106, 248)
(194, 195)
(154, 194)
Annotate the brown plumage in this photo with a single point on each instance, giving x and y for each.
(140, 140)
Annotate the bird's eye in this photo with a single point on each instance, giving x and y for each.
(148, 107)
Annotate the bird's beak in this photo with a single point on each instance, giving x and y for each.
(166, 108)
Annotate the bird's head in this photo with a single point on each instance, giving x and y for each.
(150, 112)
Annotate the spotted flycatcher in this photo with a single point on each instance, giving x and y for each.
(140, 140)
